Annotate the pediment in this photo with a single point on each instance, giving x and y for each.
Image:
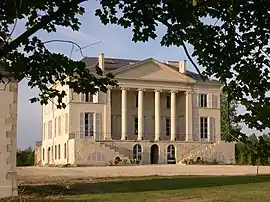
(152, 70)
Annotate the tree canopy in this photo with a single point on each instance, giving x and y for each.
(230, 39)
(27, 56)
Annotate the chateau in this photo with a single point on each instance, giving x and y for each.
(160, 111)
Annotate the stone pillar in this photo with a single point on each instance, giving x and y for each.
(108, 115)
(188, 116)
(173, 115)
(124, 114)
(140, 115)
(157, 114)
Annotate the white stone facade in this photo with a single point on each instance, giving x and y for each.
(159, 110)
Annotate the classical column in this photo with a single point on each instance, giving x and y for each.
(173, 115)
(188, 116)
(108, 115)
(157, 114)
(124, 114)
(140, 115)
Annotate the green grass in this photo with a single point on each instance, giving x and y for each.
(154, 189)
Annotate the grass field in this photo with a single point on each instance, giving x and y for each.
(155, 189)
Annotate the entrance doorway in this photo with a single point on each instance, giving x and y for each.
(154, 154)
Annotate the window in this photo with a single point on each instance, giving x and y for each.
(168, 102)
(136, 126)
(43, 154)
(59, 152)
(203, 127)
(55, 152)
(89, 124)
(59, 126)
(136, 100)
(55, 127)
(88, 97)
(50, 130)
(203, 100)
(66, 123)
(170, 152)
(137, 152)
(65, 150)
(168, 126)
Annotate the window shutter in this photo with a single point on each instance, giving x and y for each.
(197, 129)
(96, 97)
(214, 101)
(197, 96)
(82, 96)
(212, 129)
(209, 100)
(97, 126)
(81, 125)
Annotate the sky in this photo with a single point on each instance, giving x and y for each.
(115, 42)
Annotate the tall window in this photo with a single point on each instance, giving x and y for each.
(136, 100)
(204, 127)
(136, 126)
(203, 100)
(170, 151)
(59, 126)
(89, 97)
(137, 152)
(89, 124)
(59, 152)
(65, 150)
(43, 154)
(50, 130)
(168, 126)
(168, 102)
(55, 127)
(55, 152)
(66, 123)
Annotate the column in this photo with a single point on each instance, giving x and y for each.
(124, 114)
(157, 114)
(108, 115)
(140, 115)
(173, 115)
(188, 116)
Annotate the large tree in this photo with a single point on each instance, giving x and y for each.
(26, 56)
(230, 39)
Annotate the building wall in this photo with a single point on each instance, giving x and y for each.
(8, 130)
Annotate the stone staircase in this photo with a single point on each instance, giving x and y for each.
(113, 149)
(197, 151)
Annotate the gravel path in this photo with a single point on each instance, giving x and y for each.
(53, 173)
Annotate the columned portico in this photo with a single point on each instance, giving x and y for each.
(157, 114)
(173, 115)
(124, 114)
(140, 114)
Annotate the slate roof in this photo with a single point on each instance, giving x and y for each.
(111, 64)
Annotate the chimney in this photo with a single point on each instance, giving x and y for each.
(182, 66)
(101, 61)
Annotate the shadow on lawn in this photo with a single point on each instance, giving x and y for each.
(125, 186)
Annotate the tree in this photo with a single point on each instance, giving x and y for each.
(230, 129)
(230, 40)
(25, 157)
(27, 56)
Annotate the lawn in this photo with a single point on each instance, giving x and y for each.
(155, 189)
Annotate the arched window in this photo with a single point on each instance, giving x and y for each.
(59, 152)
(170, 152)
(65, 150)
(137, 152)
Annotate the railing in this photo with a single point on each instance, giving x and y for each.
(89, 136)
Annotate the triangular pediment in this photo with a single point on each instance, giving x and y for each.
(152, 70)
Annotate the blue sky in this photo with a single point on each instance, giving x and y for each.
(116, 42)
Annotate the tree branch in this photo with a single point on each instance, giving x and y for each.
(43, 22)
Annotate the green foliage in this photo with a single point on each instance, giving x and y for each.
(230, 40)
(27, 56)
(25, 157)
(228, 114)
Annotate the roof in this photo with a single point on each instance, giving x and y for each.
(112, 64)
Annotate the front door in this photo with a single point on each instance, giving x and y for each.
(154, 154)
